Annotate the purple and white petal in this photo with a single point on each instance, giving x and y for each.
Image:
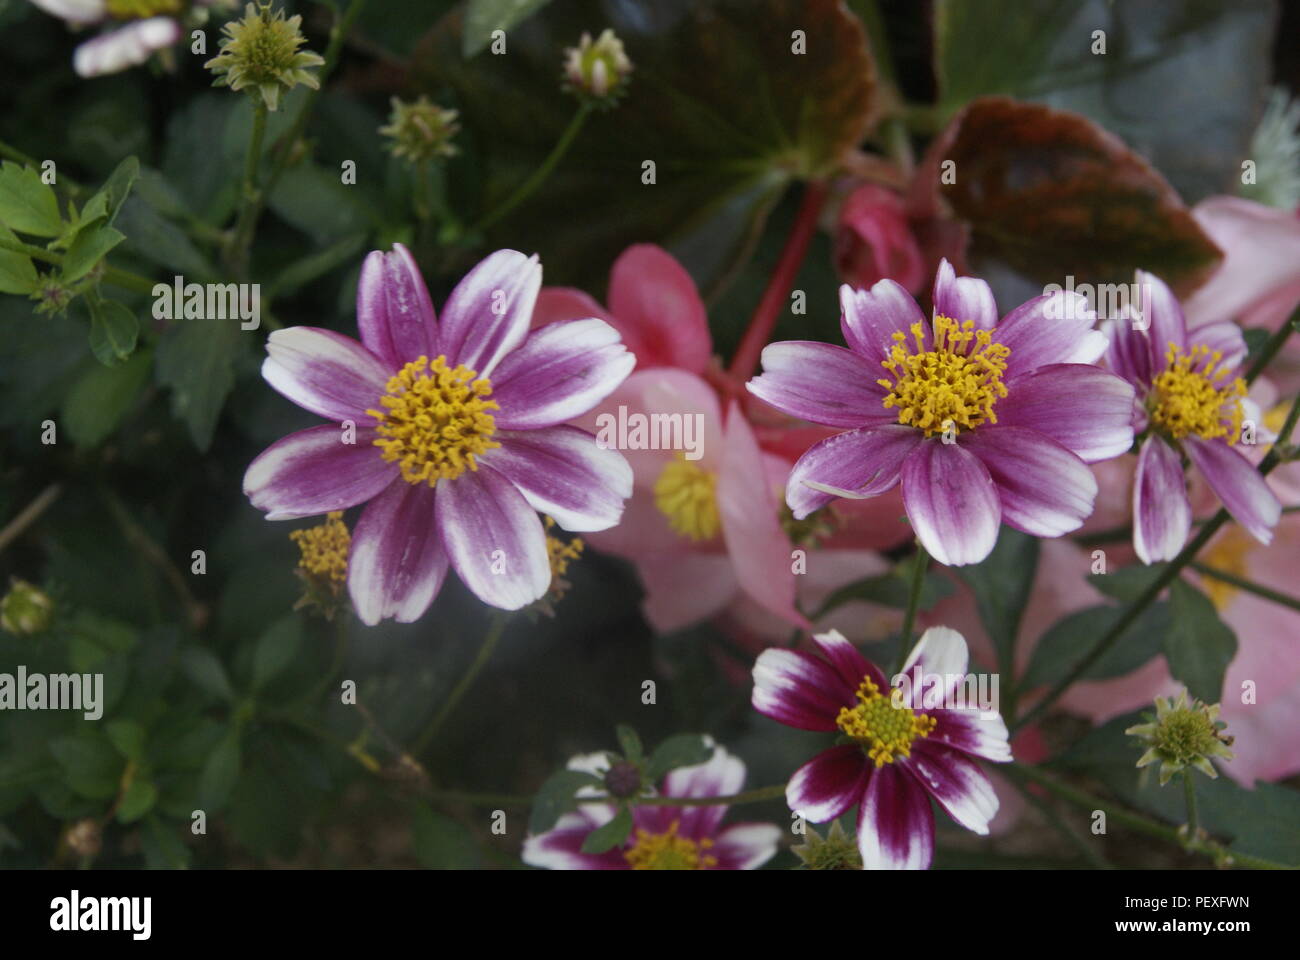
(1129, 354)
(562, 471)
(957, 783)
(941, 650)
(560, 848)
(488, 313)
(829, 783)
(1054, 328)
(721, 775)
(964, 298)
(952, 503)
(821, 383)
(560, 372)
(74, 11)
(325, 372)
(494, 538)
(1044, 489)
(799, 690)
(1237, 484)
(313, 471)
(396, 564)
(870, 318)
(1224, 338)
(857, 464)
(981, 733)
(1163, 315)
(395, 316)
(1162, 515)
(851, 665)
(746, 846)
(1087, 410)
(124, 47)
(895, 825)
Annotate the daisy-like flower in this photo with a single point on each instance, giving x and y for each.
(451, 431)
(662, 838)
(1191, 404)
(899, 753)
(1183, 735)
(140, 29)
(982, 422)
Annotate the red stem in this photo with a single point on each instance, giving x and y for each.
(777, 294)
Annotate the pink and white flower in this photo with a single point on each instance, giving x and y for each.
(898, 754)
(980, 421)
(134, 39)
(1192, 405)
(662, 837)
(451, 430)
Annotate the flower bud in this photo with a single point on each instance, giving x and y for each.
(1183, 735)
(260, 53)
(874, 241)
(25, 610)
(597, 71)
(421, 130)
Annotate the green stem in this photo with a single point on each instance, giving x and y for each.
(1272, 346)
(920, 562)
(1189, 791)
(1241, 583)
(1080, 843)
(495, 630)
(250, 196)
(336, 664)
(749, 796)
(540, 174)
(118, 278)
(1135, 821)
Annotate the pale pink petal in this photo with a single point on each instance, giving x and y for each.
(952, 503)
(1162, 515)
(822, 383)
(656, 307)
(1085, 409)
(870, 318)
(964, 298)
(489, 311)
(1044, 489)
(857, 464)
(395, 316)
(325, 372)
(1237, 484)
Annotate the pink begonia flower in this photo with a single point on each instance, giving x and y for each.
(980, 421)
(874, 241)
(131, 41)
(662, 837)
(1193, 404)
(900, 754)
(460, 435)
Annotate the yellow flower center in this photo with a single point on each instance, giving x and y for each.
(141, 9)
(884, 730)
(668, 851)
(686, 495)
(1192, 396)
(435, 423)
(325, 548)
(953, 386)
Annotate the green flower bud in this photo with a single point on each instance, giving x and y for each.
(421, 130)
(1183, 735)
(836, 851)
(597, 71)
(260, 53)
(25, 610)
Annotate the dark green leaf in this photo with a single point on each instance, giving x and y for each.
(110, 197)
(138, 800)
(207, 673)
(555, 798)
(276, 649)
(1127, 583)
(629, 743)
(128, 737)
(888, 590)
(220, 773)
(1070, 639)
(91, 246)
(91, 766)
(682, 750)
(26, 204)
(483, 17)
(1001, 585)
(114, 330)
(1199, 646)
(196, 360)
(440, 843)
(97, 402)
(609, 836)
(163, 848)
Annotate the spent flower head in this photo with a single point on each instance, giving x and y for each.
(835, 851)
(25, 610)
(260, 53)
(596, 71)
(420, 130)
(1183, 735)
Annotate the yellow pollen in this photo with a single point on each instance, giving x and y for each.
(325, 548)
(560, 553)
(686, 495)
(1228, 553)
(955, 385)
(884, 730)
(435, 423)
(668, 851)
(1193, 396)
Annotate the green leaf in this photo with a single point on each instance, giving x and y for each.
(196, 359)
(220, 773)
(26, 204)
(1199, 646)
(888, 590)
(91, 246)
(313, 266)
(110, 197)
(206, 672)
(610, 835)
(128, 737)
(440, 843)
(91, 766)
(114, 330)
(682, 750)
(138, 800)
(97, 402)
(163, 849)
(1001, 585)
(482, 17)
(1127, 583)
(556, 798)
(276, 649)
(1159, 85)
(1068, 640)
(630, 743)
(17, 272)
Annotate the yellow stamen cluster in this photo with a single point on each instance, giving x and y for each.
(668, 851)
(886, 731)
(687, 495)
(140, 9)
(325, 548)
(952, 386)
(435, 423)
(1192, 396)
(560, 552)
